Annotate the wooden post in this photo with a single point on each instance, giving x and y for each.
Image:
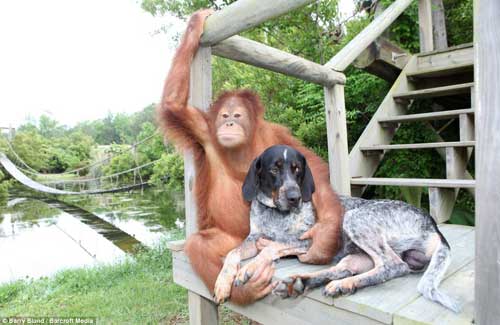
(487, 102)
(201, 310)
(336, 128)
(12, 134)
(442, 200)
(425, 25)
(440, 38)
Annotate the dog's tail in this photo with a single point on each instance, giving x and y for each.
(428, 285)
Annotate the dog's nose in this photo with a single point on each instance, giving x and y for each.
(293, 197)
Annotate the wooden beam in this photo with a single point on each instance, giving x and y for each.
(243, 15)
(440, 38)
(425, 25)
(201, 310)
(176, 245)
(425, 145)
(442, 200)
(435, 92)
(260, 55)
(336, 128)
(432, 116)
(383, 59)
(414, 182)
(487, 102)
(441, 203)
(200, 96)
(357, 45)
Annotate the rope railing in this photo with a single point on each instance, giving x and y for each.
(132, 147)
(86, 180)
(28, 169)
(25, 180)
(19, 170)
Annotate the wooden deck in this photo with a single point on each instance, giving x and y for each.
(394, 302)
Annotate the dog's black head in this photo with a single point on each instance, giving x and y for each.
(281, 174)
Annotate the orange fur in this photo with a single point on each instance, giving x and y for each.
(223, 215)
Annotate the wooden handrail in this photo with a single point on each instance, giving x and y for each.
(263, 56)
(243, 15)
(359, 43)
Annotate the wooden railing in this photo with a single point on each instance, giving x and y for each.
(367, 36)
(337, 130)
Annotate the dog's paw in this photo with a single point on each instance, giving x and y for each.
(244, 274)
(222, 289)
(289, 287)
(249, 269)
(339, 287)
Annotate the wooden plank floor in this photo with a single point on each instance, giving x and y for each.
(394, 302)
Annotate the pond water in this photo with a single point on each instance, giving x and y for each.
(40, 236)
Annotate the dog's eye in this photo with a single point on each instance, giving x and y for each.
(274, 170)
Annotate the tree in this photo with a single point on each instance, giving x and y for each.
(4, 186)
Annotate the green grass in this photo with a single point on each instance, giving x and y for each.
(134, 291)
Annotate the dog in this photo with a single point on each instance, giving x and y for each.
(279, 185)
(381, 239)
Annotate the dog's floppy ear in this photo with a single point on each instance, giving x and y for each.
(308, 187)
(252, 181)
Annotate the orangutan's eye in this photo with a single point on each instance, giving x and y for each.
(225, 115)
(237, 115)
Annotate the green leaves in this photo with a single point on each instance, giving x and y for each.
(169, 171)
(55, 154)
(4, 187)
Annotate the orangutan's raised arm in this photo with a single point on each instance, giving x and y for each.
(182, 124)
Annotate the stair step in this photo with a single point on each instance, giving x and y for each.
(441, 115)
(447, 70)
(415, 182)
(447, 50)
(436, 92)
(427, 145)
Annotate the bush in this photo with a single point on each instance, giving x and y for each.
(170, 171)
(4, 188)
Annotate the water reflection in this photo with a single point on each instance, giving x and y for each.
(37, 239)
(39, 236)
(148, 216)
(118, 237)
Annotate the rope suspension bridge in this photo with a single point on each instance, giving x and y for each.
(52, 183)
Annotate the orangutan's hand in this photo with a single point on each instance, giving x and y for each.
(257, 287)
(202, 14)
(323, 245)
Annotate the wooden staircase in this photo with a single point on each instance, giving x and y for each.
(446, 77)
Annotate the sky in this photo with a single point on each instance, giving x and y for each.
(78, 60)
